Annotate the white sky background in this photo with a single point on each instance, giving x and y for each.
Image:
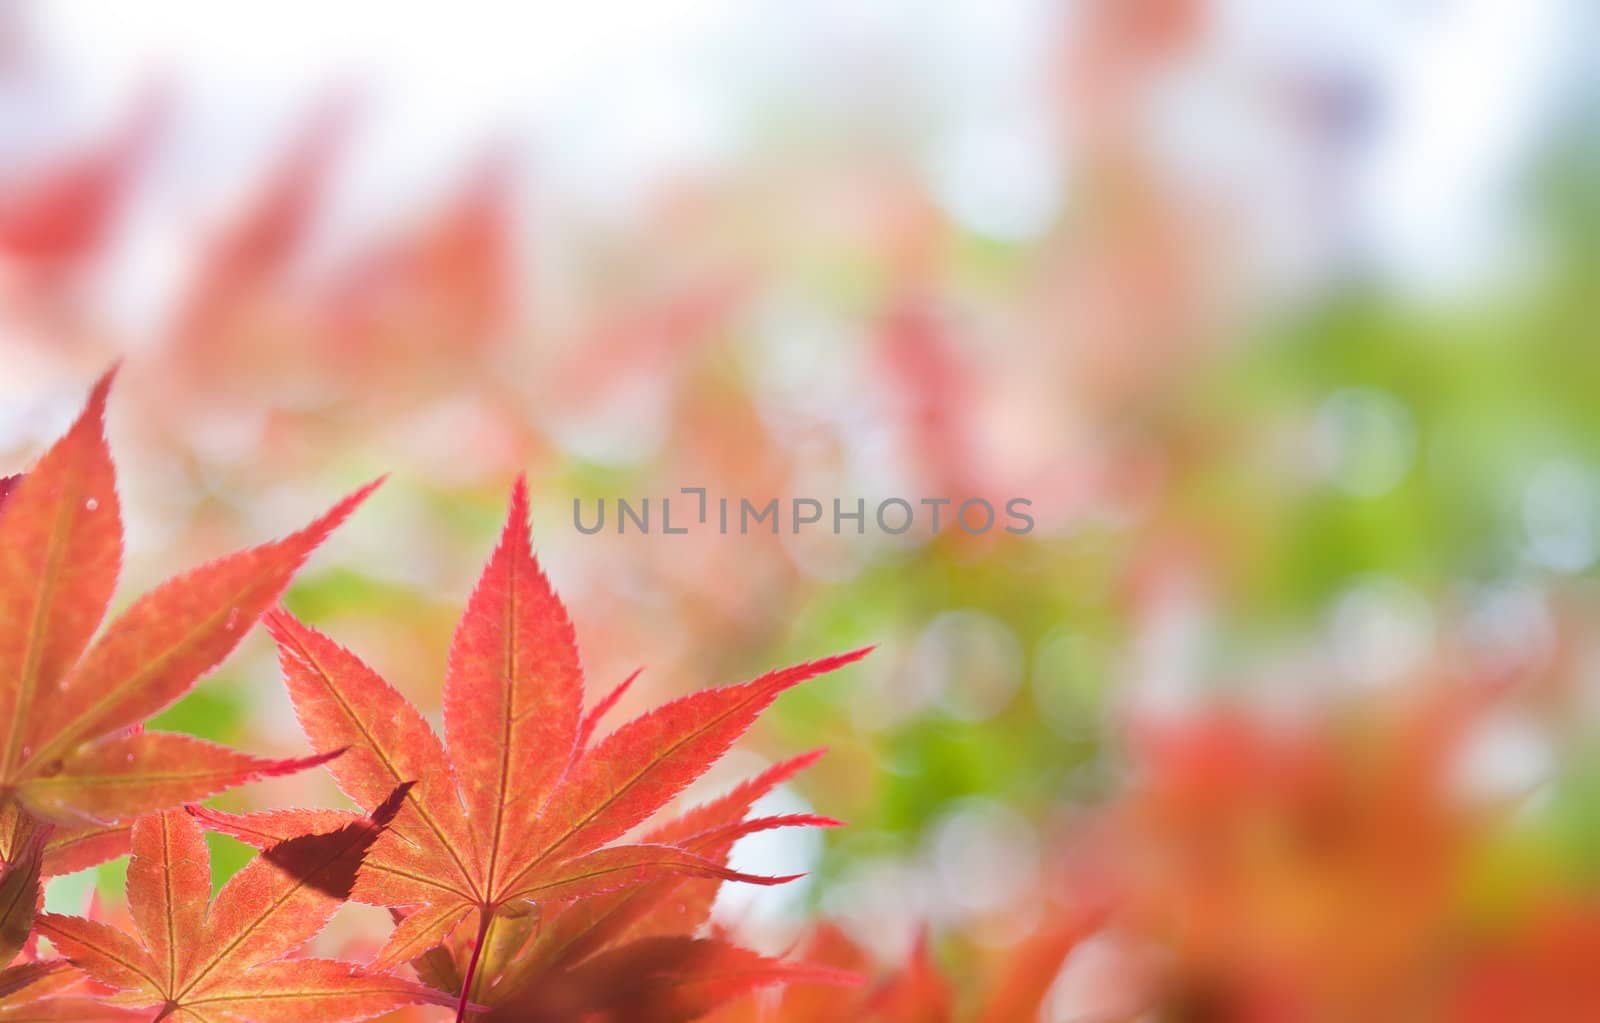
(606, 96)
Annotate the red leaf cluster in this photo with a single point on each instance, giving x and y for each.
(502, 848)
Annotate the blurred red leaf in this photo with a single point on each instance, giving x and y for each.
(669, 979)
(62, 217)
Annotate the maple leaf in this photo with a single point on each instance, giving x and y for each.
(226, 962)
(72, 747)
(515, 806)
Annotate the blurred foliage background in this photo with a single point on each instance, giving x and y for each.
(1281, 316)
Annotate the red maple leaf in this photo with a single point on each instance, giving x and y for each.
(517, 809)
(72, 747)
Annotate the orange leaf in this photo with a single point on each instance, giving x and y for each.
(513, 695)
(66, 704)
(60, 547)
(517, 811)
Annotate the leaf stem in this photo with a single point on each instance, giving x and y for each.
(485, 916)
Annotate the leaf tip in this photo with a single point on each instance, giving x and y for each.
(517, 516)
(294, 765)
(101, 390)
(799, 763)
(320, 528)
(280, 622)
(90, 425)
